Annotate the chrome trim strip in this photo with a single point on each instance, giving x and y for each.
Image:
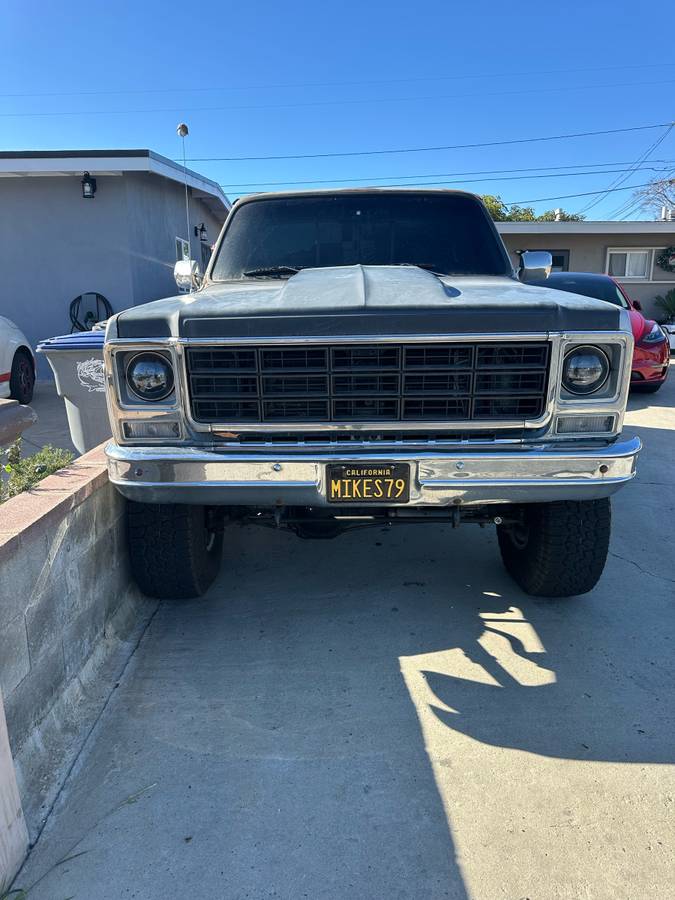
(468, 337)
(337, 339)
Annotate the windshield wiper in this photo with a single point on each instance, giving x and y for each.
(273, 271)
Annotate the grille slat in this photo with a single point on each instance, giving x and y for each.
(385, 383)
(294, 385)
(438, 383)
(295, 359)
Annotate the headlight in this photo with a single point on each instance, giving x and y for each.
(150, 376)
(585, 370)
(654, 336)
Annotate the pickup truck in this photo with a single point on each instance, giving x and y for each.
(368, 356)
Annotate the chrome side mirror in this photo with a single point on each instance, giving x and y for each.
(535, 265)
(187, 275)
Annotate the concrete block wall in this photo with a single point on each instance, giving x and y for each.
(13, 834)
(69, 617)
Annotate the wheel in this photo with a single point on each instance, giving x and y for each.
(649, 388)
(22, 377)
(174, 554)
(560, 549)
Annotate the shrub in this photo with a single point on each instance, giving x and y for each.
(667, 304)
(20, 474)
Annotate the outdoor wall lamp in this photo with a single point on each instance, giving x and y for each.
(88, 186)
(201, 232)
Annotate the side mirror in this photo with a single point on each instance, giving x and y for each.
(637, 305)
(535, 265)
(187, 275)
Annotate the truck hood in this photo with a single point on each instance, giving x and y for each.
(365, 300)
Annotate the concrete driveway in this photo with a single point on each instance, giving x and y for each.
(387, 716)
(52, 424)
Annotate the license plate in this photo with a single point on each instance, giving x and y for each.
(372, 483)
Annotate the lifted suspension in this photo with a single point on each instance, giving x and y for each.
(323, 522)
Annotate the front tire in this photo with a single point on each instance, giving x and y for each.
(560, 549)
(174, 551)
(648, 388)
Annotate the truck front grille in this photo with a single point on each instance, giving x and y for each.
(386, 383)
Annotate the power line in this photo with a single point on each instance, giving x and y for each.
(633, 204)
(323, 103)
(628, 208)
(257, 87)
(390, 178)
(514, 178)
(637, 165)
(475, 146)
(570, 196)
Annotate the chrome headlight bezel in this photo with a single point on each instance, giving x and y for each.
(610, 398)
(614, 388)
(126, 408)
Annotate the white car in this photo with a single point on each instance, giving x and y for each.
(17, 364)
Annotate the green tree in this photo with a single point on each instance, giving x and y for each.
(501, 212)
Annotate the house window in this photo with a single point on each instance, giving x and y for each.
(182, 249)
(561, 260)
(629, 263)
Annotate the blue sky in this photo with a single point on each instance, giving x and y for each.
(274, 79)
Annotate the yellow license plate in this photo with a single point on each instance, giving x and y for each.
(368, 483)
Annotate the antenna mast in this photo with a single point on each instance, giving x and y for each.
(182, 132)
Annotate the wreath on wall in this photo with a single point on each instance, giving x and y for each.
(666, 259)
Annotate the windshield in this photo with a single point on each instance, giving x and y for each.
(448, 234)
(599, 288)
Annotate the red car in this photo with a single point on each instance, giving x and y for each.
(651, 356)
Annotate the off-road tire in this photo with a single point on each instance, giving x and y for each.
(561, 549)
(648, 388)
(173, 554)
(22, 377)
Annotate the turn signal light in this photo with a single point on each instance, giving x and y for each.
(151, 430)
(585, 425)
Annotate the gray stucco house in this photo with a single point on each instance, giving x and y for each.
(121, 242)
(626, 250)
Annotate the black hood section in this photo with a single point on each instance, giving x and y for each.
(367, 301)
(379, 322)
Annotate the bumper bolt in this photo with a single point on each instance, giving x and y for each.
(277, 467)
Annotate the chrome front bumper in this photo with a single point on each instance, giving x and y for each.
(524, 475)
